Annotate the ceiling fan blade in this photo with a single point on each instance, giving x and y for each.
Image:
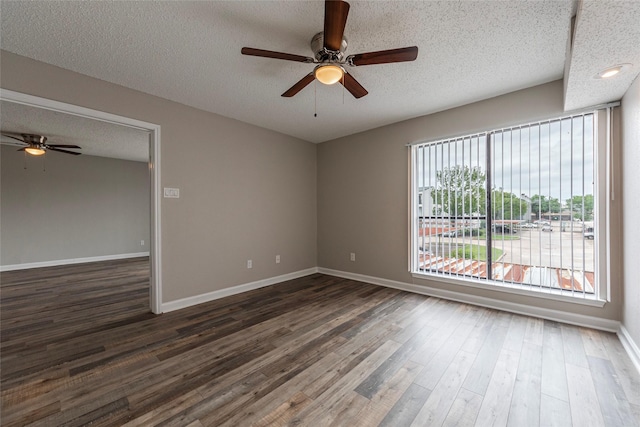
(11, 136)
(335, 19)
(299, 86)
(403, 54)
(22, 149)
(63, 151)
(353, 86)
(62, 146)
(276, 55)
(13, 144)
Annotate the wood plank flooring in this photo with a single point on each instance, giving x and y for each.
(79, 346)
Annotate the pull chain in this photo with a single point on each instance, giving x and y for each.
(25, 160)
(315, 99)
(44, 162)
(343, 89)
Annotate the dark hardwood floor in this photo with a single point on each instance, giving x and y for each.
(79, 346)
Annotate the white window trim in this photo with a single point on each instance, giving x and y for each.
(511, 288)
(604, 195)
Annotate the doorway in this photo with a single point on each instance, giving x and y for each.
(153, 130)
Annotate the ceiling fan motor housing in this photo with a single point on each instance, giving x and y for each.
(323, 54)
(34, 140)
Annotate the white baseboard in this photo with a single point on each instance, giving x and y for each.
(57, 262)
(210, 296)
(630, 346)
(543, 313)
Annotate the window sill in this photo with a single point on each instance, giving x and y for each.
(517, 289)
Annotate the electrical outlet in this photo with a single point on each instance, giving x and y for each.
(141, 242)
(353, 256)
(249, 263)
(277, 259)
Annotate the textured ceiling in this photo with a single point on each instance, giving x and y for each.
(96, 138)
(190, 52)
(606, 34)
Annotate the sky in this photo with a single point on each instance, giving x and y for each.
(551, 159)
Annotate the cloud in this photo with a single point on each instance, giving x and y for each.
(555, 159)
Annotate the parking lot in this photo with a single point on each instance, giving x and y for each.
(532, 246)
(549, 249)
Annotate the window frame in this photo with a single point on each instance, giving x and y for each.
(602, 123)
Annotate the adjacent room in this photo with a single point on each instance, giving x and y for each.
(80, 204)
(320, 213)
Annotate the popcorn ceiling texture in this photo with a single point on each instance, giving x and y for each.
(606, 34)
(189, 52)
(95, 137)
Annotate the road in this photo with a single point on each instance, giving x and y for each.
(549, 249)
(535, 247)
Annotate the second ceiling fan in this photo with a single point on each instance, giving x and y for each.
(328, 47)
(36, 145)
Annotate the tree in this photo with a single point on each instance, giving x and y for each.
(580, 205)
(460, 190)
(542, 204)
(507, 205)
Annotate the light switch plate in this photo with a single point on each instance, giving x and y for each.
(173, 193)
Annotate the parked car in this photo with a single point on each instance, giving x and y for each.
(528, 225)
(546, 228)
(450, 233)
(503, 229)
(588, 233)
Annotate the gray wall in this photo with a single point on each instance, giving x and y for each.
(250, 193)
(363, 193)
(245, 192)
(81, 206)
(631, 215)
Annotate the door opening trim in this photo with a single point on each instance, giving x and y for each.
(155, 255)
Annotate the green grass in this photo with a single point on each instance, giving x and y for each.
(483, 234)
(476, 252)
(504, 237)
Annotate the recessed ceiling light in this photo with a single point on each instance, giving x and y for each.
(612, 71)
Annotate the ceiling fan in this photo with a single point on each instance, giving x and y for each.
(36, 145)
(328, 47)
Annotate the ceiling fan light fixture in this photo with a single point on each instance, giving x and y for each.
(328, 74)
(34, 151)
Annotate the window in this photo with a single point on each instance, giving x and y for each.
(514, 208)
